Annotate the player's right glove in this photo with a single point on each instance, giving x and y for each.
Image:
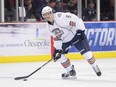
(57, 54)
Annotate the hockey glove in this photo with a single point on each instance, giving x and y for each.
(57, 54)
(81, 35)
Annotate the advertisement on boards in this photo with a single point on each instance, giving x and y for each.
(24, 39)
(101, 36)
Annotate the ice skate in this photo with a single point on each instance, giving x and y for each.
(97, 70)
(70, 75)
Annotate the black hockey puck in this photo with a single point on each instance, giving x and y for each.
(24, 79)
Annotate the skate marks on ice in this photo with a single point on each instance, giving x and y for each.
(81, 81)
(84, 78)
(50, 75)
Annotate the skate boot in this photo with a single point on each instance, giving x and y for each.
(97, 70)
(70, 75)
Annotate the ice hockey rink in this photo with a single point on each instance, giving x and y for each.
(50, 74)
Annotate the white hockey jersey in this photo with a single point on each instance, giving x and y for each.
(66, 24)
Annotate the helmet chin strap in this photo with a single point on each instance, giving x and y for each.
(51, 21)
(52, 18)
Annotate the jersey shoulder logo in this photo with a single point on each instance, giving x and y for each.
(59, 14)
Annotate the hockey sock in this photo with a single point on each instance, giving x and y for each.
(69, 68)
(94, 64)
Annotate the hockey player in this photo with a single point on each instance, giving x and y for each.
(68, 30)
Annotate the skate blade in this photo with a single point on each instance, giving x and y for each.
(70, 77)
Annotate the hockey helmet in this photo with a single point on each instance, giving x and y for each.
(46, 9)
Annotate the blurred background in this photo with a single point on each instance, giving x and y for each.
(30, 10)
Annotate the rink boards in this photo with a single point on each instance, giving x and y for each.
(31, 41)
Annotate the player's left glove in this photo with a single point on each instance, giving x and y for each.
(57, 54)
(81, 34)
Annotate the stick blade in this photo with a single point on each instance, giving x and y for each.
(19, 78)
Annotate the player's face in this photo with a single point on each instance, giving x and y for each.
(48, 16)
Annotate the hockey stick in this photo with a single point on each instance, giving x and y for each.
(24, 77)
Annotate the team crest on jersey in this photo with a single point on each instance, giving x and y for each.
(57, 31)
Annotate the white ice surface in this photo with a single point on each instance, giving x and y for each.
(50, 75)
